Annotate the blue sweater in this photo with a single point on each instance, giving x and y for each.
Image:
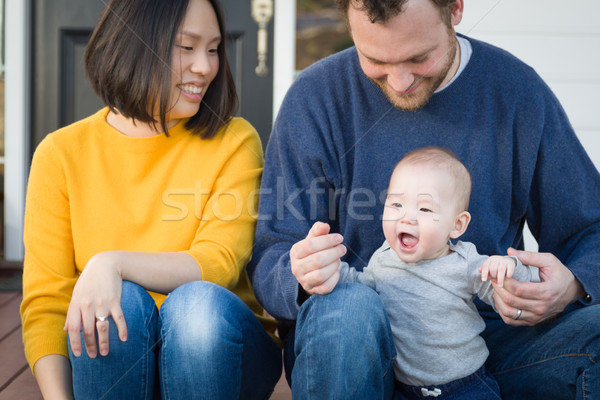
(337, 138)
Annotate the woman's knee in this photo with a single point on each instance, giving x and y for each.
(135, 298)
(139, 310)
(200, 315)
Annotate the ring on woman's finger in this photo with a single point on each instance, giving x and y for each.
(519, 312)
(101, 318)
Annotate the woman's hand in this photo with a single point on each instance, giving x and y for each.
(96, 296)
(97, 292)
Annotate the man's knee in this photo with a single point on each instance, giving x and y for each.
(351, 311)
(340, 337)
(350, 303)
(588, 317)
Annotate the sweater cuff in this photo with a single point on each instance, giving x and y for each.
(45, 345)
(302, 296)
(587, 282)
(291, 292)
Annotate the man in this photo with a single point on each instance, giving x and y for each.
(410, 82)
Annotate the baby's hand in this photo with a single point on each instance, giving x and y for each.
(497, 268)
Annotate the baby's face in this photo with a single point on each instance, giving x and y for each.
(420, 212)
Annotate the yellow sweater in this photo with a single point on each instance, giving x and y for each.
(93, 189)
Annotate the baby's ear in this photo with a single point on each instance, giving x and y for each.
(460, 224)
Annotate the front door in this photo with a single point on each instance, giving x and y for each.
(61, 94)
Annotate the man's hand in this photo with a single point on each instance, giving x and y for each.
(315, 259)
(497, 268)
(539, 301)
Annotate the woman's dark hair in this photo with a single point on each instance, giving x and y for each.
(128, 63)
(383, 10)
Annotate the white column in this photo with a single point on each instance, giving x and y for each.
(16, 123)
(284, 52)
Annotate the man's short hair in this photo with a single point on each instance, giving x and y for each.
(128, 64)
(382, 10)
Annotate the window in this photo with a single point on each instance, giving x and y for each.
(320, 31)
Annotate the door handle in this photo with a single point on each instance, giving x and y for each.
(262, 12)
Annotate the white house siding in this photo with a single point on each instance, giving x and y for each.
(561, 41)
(284, 43)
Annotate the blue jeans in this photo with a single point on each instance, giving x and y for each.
(204, 343)
(343, 347)
(343, 341)
(554, 360)
(480, 385)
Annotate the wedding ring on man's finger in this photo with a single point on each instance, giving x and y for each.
(103, 318)
(519, 312)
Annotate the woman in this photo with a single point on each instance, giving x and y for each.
(152, 196)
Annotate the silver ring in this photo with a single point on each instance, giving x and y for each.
(519, 312)
(103, 318)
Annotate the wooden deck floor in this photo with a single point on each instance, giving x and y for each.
(16, 380)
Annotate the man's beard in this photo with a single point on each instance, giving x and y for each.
(428, 85)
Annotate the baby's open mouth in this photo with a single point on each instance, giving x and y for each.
(408, 241)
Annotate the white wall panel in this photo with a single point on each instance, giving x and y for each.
(532, 15)
(591, 141)
(561, 41)
(554, 56)
(581, 101)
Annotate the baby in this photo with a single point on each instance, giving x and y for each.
(428, 284)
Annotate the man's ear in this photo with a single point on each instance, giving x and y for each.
(460, 224)
(456, 12)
